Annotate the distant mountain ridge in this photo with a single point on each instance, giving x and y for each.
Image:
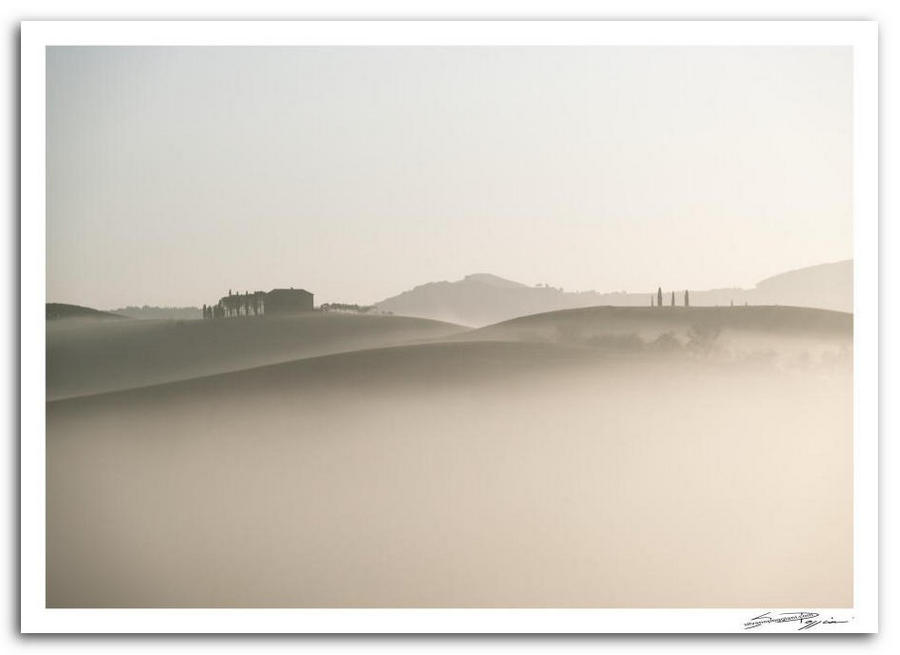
(494, 281)
(482, 299)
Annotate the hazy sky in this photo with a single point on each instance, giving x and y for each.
(174, 174)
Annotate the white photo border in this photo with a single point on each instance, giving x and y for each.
(861, 36)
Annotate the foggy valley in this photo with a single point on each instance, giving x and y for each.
(600, 457)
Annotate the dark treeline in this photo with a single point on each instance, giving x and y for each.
(146, 311)
(346, 307)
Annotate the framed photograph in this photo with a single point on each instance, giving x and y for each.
(436, 327)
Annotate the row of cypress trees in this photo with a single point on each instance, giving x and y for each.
(659, 298)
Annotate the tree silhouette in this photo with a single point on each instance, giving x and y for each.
(659, 297)
(687, 301)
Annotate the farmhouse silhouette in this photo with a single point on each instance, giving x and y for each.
(257, 303)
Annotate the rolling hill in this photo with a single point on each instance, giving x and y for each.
(57, 311)
(649, 323)
(110, 355)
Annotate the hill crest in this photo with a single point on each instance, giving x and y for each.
(59, 310)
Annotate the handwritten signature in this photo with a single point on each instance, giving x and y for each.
(806, 620)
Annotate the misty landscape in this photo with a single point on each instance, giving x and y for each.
(505, 327)
(593, 457)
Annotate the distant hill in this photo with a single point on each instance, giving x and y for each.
(493, 281)
(58, 310)
(146, 311)
(828, 286)
(483, 299)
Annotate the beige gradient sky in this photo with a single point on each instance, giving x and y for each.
(174, 174)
